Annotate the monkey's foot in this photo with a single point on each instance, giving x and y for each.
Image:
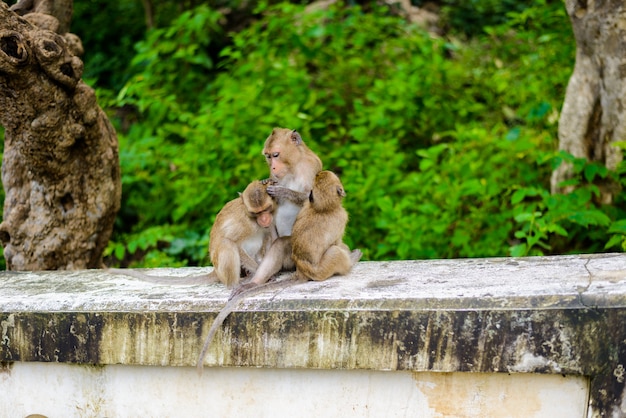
(355, 256)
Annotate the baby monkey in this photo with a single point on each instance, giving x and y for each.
(317, 247)
(242, 233)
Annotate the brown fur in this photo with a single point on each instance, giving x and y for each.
(318, 250)
(293, 167)
(237, 240)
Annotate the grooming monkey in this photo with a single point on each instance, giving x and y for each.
(316, 247)
(241, 234)
(293, 167)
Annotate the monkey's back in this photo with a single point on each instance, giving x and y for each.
(314, 232)
(231, 224)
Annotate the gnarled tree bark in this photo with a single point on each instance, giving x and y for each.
(60, 168)
(594, 114)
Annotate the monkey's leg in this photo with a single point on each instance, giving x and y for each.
(278, 257)
(336, 260)
(247, 262)
(227, 264)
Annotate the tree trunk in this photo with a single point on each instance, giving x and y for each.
(594, 111)
(60, 168)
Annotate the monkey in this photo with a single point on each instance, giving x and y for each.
(241, 234)
(243, 231)
(293, 167)
(317, 247)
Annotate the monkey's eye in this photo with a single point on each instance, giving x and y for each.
(311, 197)
(275, 154)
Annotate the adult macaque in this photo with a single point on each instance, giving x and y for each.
(241, 234)
(293, 167)
(317, 247)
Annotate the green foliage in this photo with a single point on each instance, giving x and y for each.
(445, 147)
(472, 16)
(543, 216)
(108, 31)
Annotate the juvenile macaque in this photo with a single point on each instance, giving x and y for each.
(317, 247)
(242, 233)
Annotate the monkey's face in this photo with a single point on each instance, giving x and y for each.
(259, 205)
(264, 219)
(278, 168)
(327, 191)
(263, 214)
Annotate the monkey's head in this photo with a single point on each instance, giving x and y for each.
(327, 192)
(259, 204)
(282, 150)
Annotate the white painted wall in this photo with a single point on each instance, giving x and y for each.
(65, 391)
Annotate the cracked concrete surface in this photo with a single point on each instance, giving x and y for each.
(554, 315)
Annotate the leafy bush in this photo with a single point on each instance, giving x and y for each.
(445, 148)
(445, 145)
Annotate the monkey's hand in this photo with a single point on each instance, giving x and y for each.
(268, 181)
(281, 192)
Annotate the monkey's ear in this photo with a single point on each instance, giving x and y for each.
(240, 194)
(295, 137)
(341, 192)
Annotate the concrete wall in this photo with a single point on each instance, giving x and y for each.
(62, 390)
(533, 337)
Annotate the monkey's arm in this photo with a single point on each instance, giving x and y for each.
(231, 305)
(280, 192)
(189, 280)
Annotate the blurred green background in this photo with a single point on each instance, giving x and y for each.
(444, 139)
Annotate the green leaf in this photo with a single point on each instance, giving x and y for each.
(590, 217)
(618, 227)
(558, 229)
(615, 241)
(591, 171)
(527, 216)
(519, 250)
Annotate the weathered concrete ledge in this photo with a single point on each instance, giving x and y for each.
(551, 315)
